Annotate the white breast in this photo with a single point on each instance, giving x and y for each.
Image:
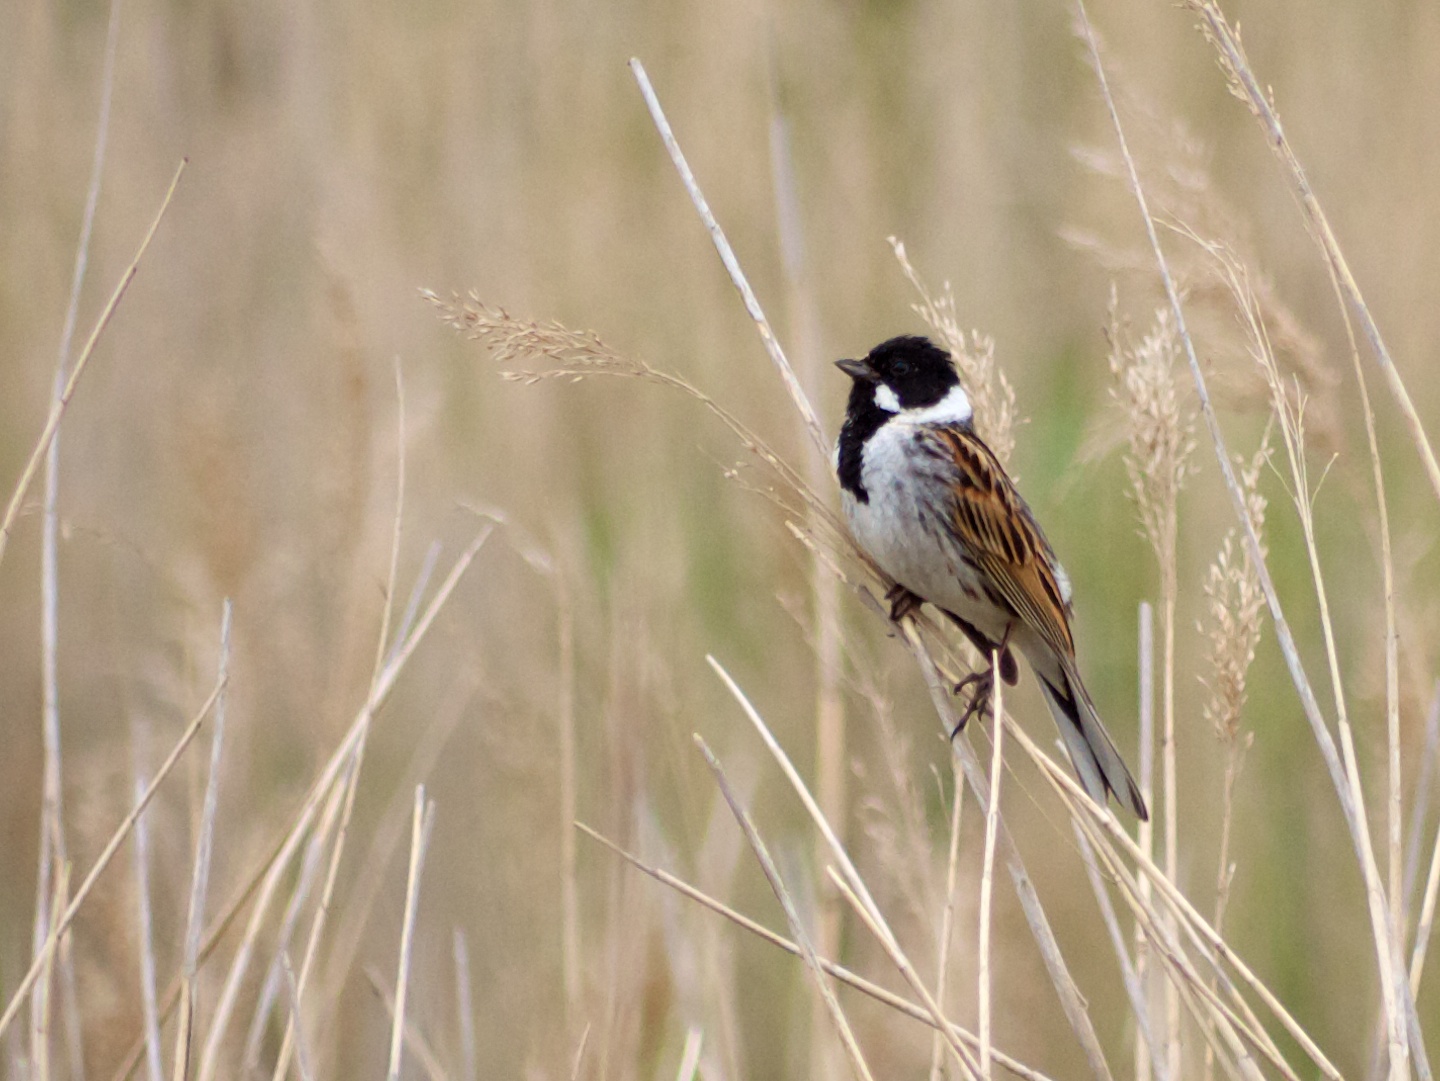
(905, 526)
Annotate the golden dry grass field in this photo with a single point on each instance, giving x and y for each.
(239, 433)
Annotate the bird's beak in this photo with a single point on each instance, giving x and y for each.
(857, 370)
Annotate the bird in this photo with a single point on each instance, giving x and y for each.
(935, 510)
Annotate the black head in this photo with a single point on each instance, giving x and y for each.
(915, 371)
(905, 373)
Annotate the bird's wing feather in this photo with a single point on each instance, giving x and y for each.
(1001, 537)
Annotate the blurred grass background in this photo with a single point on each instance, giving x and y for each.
(236, 438)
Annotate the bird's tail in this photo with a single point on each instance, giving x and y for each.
(1097, 761)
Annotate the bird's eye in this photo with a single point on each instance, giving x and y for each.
(900, 367)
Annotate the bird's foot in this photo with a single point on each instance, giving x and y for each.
(902, 602)
(981, 684)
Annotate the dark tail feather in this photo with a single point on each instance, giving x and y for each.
(1097, 761)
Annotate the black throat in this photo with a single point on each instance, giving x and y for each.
(863, 418)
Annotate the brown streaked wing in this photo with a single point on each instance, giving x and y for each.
(1002, 538)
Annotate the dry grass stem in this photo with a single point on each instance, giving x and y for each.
(732, 265)
(419, 839)
(1145, 831)
(320, 793)
(792, 917)
(839, 972)
(1288, 406)
(383, 648)
(987, 872)
(1129, 972)
(1071, 1001)
(292, 989)
(990, 392)
(200, 876)
(690, 1056)
(831, 775)
(52, 828)
(415, 1041)
(464, 1003)
(968, 1065)
(61, 926)
(572, 355)
(947, 918)
(62, 402)
(344, 797)
(1397, 1013)
(145, 925)
(1246, 87)
(1231, 1022)
(1189, 918)
(1161, 439)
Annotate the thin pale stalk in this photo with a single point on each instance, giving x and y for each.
(689, 1068)
(58, 407)
(1420, 809)
(302, 1056)
(146, 929)
(987, 873)
(242, 897)
(1129, 974)
(793, 776)
(40, 1001)
(1071, 1001)
(415, 1040)
(1145, 833)
(464, 1004)
(947, 918)
(271, 986)
(839, 972)
(579, 1056)
(419, 838)
(1189, 915)
(354, 915)
(852, 883)
(319, 792)
(792, 916)
(1379, 914)
(52, 819)
(383, 648)
(57, 930)
(200, 878)
(334, 820)
(1395, 800)
(1426, 922)
(571, 960)
(1172, 818)
(830, 736)
(727, 256)
(969, 1066)
(1205, 1007)
(1227, 43)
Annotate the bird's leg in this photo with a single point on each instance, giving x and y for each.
(902, 602)
(983, 684)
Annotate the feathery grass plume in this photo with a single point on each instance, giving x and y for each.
(1160, 433)
(1176, 171)
(1161, 426)
(573, 355)
(1235, 605)
(991, 395)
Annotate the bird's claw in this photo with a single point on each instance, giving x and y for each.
(983, 684)
(902, 602)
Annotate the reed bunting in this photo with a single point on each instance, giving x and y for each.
(936, 511)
